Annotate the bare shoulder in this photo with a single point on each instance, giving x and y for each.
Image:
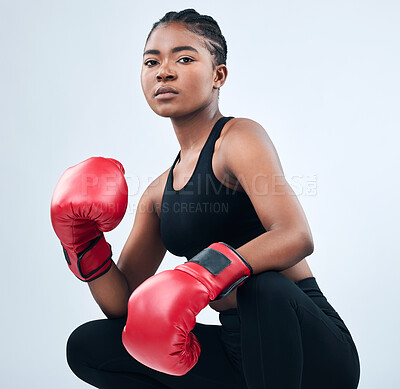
(240, 129)
(250, 157)
(244, 139)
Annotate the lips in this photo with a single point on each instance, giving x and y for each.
(165, 89)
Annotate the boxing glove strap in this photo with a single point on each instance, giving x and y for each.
(91, 259)
(220, 268)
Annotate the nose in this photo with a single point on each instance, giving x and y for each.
(165, 73)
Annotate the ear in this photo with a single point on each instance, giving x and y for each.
(220, 75)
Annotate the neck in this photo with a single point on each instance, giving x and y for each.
(192, 130)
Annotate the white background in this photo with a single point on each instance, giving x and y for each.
(322, 77)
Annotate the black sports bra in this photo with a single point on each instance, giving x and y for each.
(205, 211)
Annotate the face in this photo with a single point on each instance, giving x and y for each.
(178, 74)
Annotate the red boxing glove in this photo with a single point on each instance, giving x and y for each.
(90, 198)
(162, 310)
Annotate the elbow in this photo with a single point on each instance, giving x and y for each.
(116, 314)
(307, 243)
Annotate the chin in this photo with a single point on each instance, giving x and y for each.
(168, 112)
(163, 113)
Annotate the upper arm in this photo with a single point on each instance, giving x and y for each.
(251, 158)
(144, 250)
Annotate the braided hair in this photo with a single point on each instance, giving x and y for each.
(202, 25)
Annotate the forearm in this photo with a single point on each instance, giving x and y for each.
(276, 250)
(111, 292)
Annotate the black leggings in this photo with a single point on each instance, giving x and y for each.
(283, 334)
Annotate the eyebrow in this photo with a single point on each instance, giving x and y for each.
(174, 50)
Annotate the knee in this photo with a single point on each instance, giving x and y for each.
(269, 286)
(77, 350)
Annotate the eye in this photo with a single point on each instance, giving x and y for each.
(150, 62)
(185, 60)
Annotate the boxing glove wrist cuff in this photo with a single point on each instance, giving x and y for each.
(220, 268)
(92, 262)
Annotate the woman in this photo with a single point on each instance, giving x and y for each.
(225, 185)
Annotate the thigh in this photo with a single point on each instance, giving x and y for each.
(96, 354)
(329, 356)
(325, 351)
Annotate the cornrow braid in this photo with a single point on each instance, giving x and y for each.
(202, 25)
